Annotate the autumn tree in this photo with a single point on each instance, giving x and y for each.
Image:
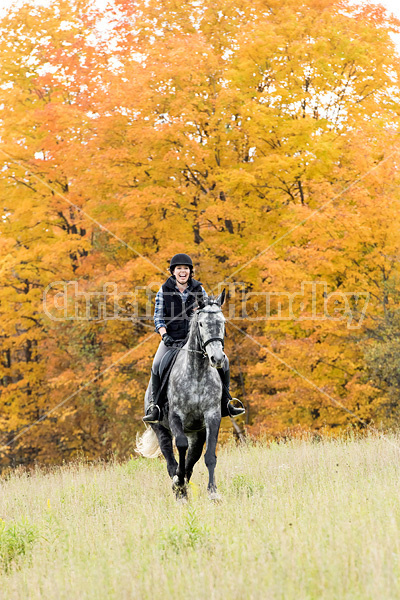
(262, 140)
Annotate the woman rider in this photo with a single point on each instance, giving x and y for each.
(174, 305)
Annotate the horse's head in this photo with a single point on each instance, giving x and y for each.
(211, 329)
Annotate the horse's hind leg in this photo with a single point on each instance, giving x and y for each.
(182, 444)
(212, 427)
(165, 441)
(194, 453)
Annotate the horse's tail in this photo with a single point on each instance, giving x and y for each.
(147, 444)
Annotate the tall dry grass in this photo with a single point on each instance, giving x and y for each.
(298, 520)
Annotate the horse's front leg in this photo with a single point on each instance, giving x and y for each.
(165, 441)
(212, 428)
(182, 444)
(195, 449)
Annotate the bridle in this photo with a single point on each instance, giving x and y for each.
(203, 345)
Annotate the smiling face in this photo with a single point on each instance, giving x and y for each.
(211, 323)
(182, 274)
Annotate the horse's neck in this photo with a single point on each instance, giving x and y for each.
(194, 359)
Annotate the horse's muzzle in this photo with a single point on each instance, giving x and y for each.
(217, 361)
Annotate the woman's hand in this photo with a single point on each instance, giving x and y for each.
(168, 340)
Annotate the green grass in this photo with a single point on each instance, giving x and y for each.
(297, 520)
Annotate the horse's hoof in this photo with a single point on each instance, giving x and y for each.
(182, 500)
(179, 490)
(176, 485)
(181, 495)
(215, 497)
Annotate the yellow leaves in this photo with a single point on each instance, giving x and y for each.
(66, 377)
(123, 407)
(254, 141)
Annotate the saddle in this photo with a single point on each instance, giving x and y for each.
(165, 368)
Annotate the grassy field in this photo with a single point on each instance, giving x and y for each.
(297, 520)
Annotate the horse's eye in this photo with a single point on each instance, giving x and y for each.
(201, 324)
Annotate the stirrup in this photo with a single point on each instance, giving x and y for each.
(240, 410)
(149, 418)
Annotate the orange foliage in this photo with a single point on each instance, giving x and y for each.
(259, 138)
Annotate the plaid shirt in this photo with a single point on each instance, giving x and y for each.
(159, 305)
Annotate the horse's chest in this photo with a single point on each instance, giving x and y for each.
(198, 394)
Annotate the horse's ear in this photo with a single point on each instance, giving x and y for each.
(200, 301)
(221, 297)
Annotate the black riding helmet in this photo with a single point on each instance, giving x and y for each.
(180, 259)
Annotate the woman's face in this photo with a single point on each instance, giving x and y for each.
(182, 273)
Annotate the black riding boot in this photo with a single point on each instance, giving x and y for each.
(153, 413)
(227, 410)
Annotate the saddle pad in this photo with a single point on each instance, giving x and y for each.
(166, 364)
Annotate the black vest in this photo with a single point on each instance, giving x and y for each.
(177, 312)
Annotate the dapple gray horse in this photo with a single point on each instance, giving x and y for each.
(194, 396)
